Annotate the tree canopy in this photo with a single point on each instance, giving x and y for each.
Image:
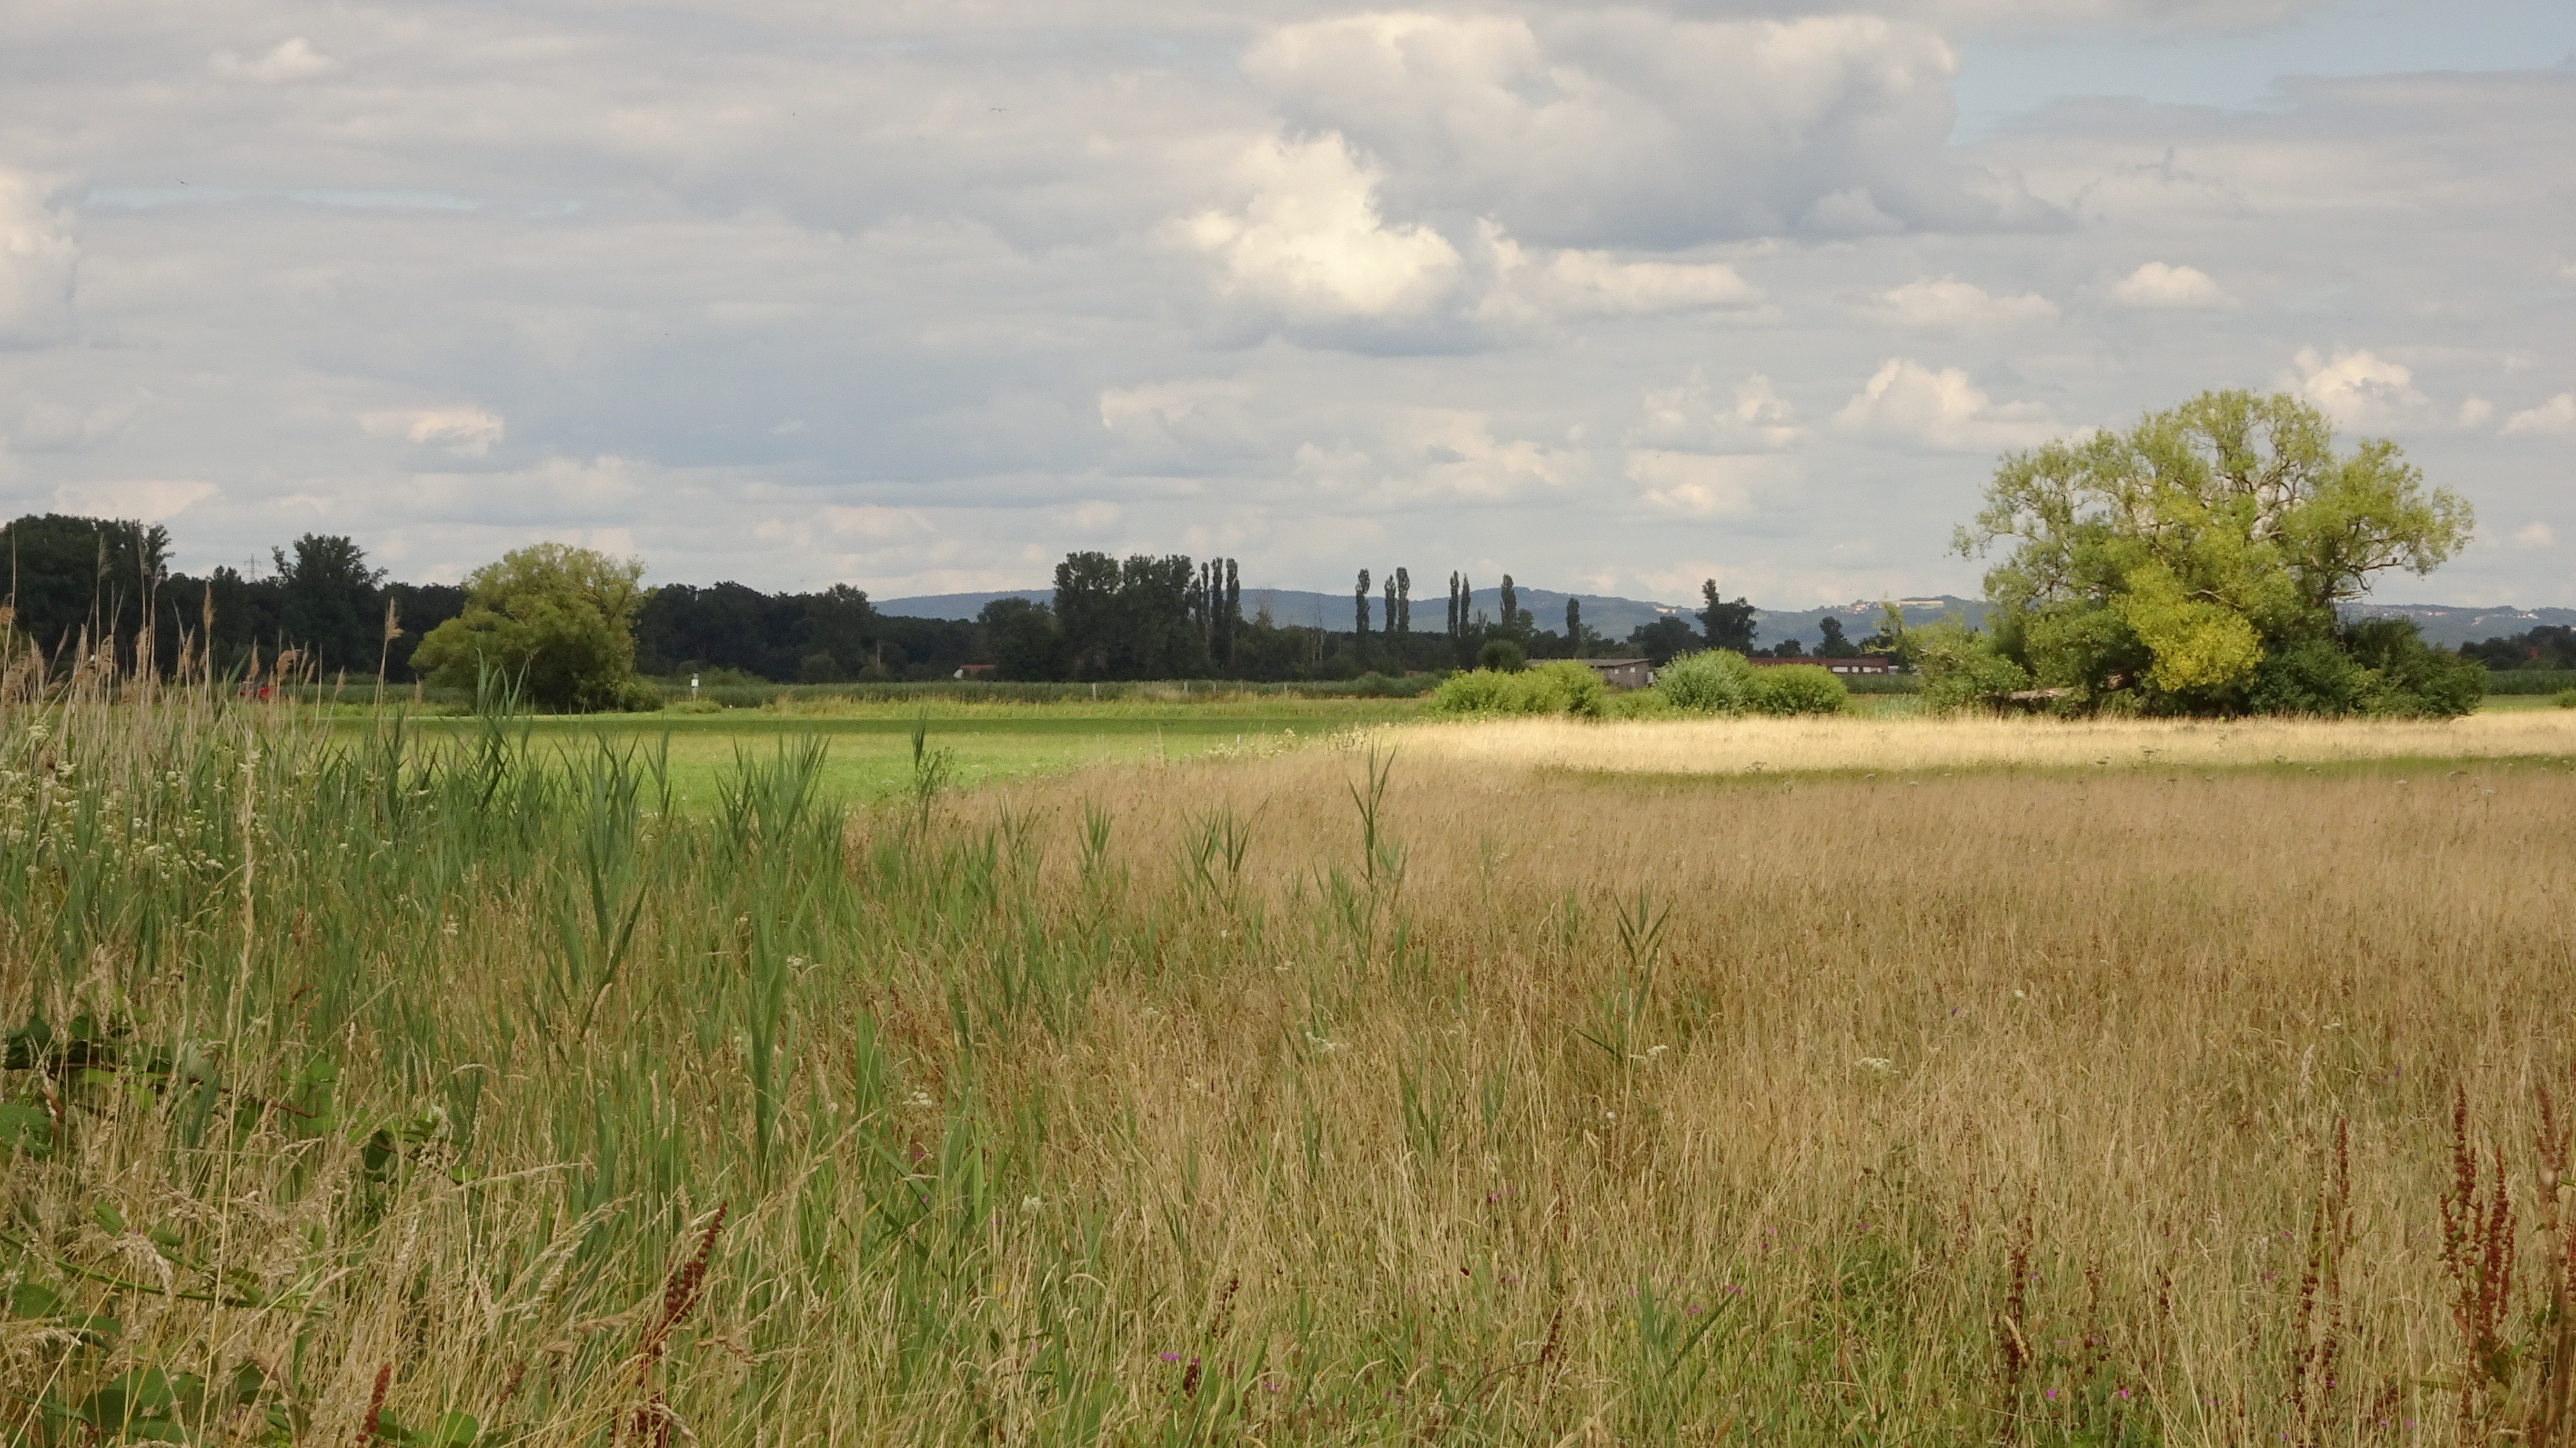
(557, 620)
(2198, 562)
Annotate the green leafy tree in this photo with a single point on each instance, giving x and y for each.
(1661, 640)
(558, 620)
(1834, 645)
(1024, 638)
(1725, 625)
(1360, 603)
(331, 602)
(1501, 656)
(2160, 568)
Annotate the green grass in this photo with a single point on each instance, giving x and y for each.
(868, 749)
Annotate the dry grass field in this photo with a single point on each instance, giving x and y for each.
(1479, 1093)
(1859, 743)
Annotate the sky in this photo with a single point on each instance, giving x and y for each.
(921, 296)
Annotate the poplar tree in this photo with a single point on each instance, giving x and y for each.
(1392, 638)
(1403, 619)
(1359, 601)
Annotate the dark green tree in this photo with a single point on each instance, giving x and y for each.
(1512, 625)
(1661, 640)
(1574, 625)
(71, 577)
(1024, 639)
(1360, 604)
(1834, 645)
(331, 603)
(1725, 625)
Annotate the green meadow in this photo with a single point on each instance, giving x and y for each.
(868, 748)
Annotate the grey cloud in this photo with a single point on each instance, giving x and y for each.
(908, 295)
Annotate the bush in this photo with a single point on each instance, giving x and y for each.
(1501, 656)
(2311, 676)
(2409, 678)
(1558, 687)
(2564, 698)
(1718, 681)
(1651, 704)
(1962, 668)
(1798, 689)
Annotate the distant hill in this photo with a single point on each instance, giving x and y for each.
(2451, 626)
(1604, 614)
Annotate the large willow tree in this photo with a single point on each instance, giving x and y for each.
(2200, 562)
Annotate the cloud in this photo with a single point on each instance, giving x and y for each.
(1155, 408)
(1437, 454)
(2158, 285)
(147, 500)
(1706, 485)
(1756, 416)
(2534, 536)
(2475, 411)
(293, 58)
(1310, 239)
(38, 263)
(1577, 283)
(49, 426)
(1908, 402)
(465, 431)
(876, 524)
(2557, 415)
(2357, 389)
(1621, 127)
(1948, 303)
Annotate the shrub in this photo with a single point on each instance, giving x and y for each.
(2310, 676)
(1501, 656)
(1651, 704)
(2410, 678)
(1962, 668)
(1718, 681)
(2564, 698)
(1798, 689)
(1558, 687)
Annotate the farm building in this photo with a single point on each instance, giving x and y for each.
(1871, 664)
(1622, 673)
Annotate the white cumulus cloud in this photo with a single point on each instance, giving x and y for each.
(1951, 304)
(1688, 416)
(1310, 238)
(2533, 536)
(1708, 485)
(2357, 389)
(2475, 411)
(1909, 402)
(1621, 126)
(2158, 285)
(2557, 415)
(293, 58)
(465, 431)
(1578, 283)
(1157, 407)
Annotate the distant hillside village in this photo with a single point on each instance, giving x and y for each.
(1140, 617)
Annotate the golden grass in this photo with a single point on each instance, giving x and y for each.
(1903, 743)
(2036, 1107)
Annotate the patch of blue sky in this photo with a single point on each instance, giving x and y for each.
(2003, 78)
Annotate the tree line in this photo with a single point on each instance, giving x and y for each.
(106, 584)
